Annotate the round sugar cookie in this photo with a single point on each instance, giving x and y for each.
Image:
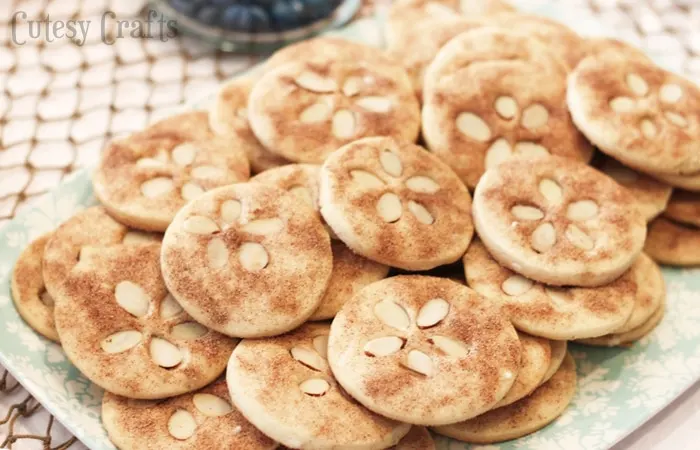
(228, 115)
(396, 204)
(651, 291)
(672, 243)
(418, 438)
(189, 126)
(32, 300)
(560, 39)
(423, 350)
(557, 358)
(641, 115)
(558, 221)
(528, 415)
(247, 260)
(329, 104)
(119, 326)
(684, 207)
(145, 182)
(201, 420)
(322, 49)
(91, 228)
(490, 112)
(351, 272)
(487, 43)
(419, 45)
(690, 182)
(536, 358)
(284, 386)
(555, 313)
(628, 338)
(651, 195)
(597, 46)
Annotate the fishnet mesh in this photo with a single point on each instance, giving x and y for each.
(60, 102)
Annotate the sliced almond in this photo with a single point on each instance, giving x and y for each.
(450, 346)
(157, 187)
(432, 313)
(421, 213)
(525, 212)
(139, 237)
(551, 190)
(530, 150)
(321, 345)
(389, 207)
(314, 82)
(543, 238)
(253, 256)
(366, 179)
(375, 104)
(308, 357)
(473, 127)
(422, 185)
(384, 346)
(169, 307)
(164, 353)
(200, 225)
(392, 314)
(217, 253)
(148, 163)
(208, 172)
(191, 191)
(622, 104)
(121, 341)
(516, 285)
(352, 86)
(344, 126)
(676, 119)
(132, 298)
(420, 362)
(391, 163)
(263, 227)
(670, 93)
(648, 128)
(188, 331)
(497, 153)
(579, 238)
(182, 425)
(534, 117)
(582, 210)
(230, 211)
(315, 387)
(318, 112)
(211, 405)
(637, 84)
(184, 154)
(506, 107)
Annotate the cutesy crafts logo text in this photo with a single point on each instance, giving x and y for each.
(108, 28)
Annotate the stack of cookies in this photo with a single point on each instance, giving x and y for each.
(315, 305)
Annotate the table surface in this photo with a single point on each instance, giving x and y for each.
(60, 103)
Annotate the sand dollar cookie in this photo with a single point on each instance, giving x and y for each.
(91, 228)
(535, 360)
(200, 420)
(490, 112)
(558, 354)
(351, 272)
(558, 221)
(684, 207)
(229, 116)
(121, 328)
(651, 292)
(672, 243)
(32, 300)
(418, 438)
(247, 260)
(626, 339)
(636, 112)
(555, 313)
(143, 182)
(650, 194)
(528, 415)
(423, 350)
(284, 386)
(322, 49)
(329, 104)
(390, 201)
(487, 43)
